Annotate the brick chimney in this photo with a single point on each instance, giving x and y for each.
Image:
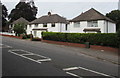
(49, 13)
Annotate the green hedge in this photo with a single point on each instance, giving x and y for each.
(104, 39)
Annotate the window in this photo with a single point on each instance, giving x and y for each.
(30, 26)
(77, 24)
(66, 27)
(92, 24)
(53, 24)
(35, 33)
(45, 25)
(36, 25)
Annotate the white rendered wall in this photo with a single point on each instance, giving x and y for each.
(102, 25)
(111, 27)
(72, 29)
(59, 27)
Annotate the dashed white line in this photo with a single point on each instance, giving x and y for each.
(1, 44)
(27, 54)
(5, 46)
(71, 68)
(43, 60)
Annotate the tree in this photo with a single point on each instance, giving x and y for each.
(19, 29)
(4, 17)
(24, 10)
(115, 16)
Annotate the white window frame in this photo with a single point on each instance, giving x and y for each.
(92, 23)
(76, 24)
(52, 25)
(44, 25)
(36, 25)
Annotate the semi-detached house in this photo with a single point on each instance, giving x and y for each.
(92, 21)
(50, 23)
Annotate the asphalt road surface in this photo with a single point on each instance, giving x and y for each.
(30, 58)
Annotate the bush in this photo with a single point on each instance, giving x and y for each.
(24, 37)
(36, 39)
(104, 39)
(28, 36)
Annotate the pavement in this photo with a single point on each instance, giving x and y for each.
(108, 56)
(99, 54)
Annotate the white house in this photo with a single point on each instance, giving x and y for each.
(50, 23)
(92, 21)
(21, 20)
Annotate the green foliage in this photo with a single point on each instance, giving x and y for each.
(105, 39)
(28, 36)
(24, 10)
(19, 29)
(118, 34)
(115, 16)
(24, 37)
(4, 16)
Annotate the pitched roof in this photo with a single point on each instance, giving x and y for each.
(53, 18)
(89, 15)
(21, 20)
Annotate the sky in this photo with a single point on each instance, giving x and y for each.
(67, 8)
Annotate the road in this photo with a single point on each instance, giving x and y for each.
(30, 58)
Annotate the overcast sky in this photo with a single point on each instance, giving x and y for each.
(67, 8)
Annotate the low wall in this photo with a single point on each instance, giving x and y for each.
(11, 36)
(83, 46)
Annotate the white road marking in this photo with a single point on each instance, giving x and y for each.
(71, 68)
(75, 68)
(72, 74)
(8, 46)
(1, 44)
(41, 56)
(43, 60)
(24, 57)
(95, 72)
(21, 50)
(30, 53)
(27, 54)
(5, 46)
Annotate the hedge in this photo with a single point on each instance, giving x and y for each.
(104, 39)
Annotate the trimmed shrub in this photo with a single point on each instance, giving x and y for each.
(28, 36)
(24, 37)
(104, 39)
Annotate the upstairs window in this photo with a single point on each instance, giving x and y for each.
(30, 26)
(92, 23)
(77, 24)
(53, 24)
(36, 25)
(45, 25)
